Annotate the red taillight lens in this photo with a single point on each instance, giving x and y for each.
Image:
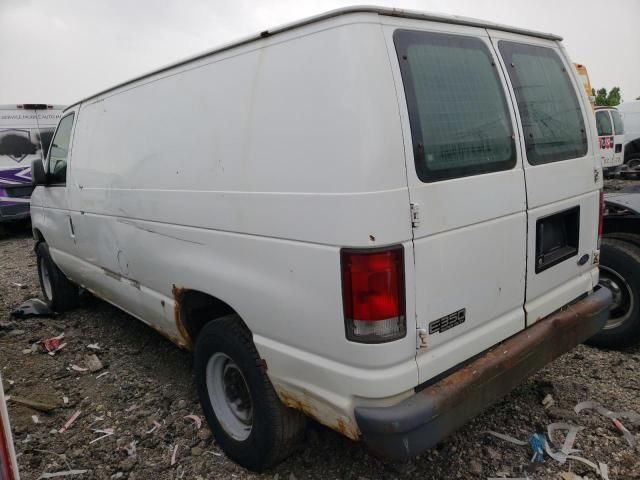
(373, 294)
(601, 217)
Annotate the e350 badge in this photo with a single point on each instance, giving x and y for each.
(448, 321)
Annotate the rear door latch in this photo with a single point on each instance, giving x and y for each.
(415, 215)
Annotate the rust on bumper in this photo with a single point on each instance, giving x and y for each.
(422, 420)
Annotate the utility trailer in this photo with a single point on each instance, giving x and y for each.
(620, 268)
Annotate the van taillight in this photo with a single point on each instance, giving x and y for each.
(601, 217)
(373, 294)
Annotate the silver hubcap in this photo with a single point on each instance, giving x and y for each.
(229, 395)
(623, 298)
(46, 280)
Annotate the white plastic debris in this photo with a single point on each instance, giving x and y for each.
(131, 448)
(548, 401)
(572, 432)
(65, 473)
(72, 419)
(505, 437)
(107, 432)
(35, 419)
(633, 417)
(93, 346)
(77, 368)
(153, 429)
(196, 419)
(102, 374)
(65, 400)
(173, 455)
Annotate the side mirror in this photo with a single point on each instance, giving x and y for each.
(38, 175)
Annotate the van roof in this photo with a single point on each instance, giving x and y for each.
(392, 12)
(605, 107)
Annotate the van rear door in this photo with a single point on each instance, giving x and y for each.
(618, 137)
(467, 191)
(604, 125)
(563, 177)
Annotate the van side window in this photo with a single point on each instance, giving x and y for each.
(59, 151)
(460, 123)
(618, 125)
(603, 123)
(551, 116)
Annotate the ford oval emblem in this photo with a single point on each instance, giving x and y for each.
(583, 259)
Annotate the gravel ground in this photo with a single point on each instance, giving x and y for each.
(150, 380)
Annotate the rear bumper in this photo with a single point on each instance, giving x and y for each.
(422, 420)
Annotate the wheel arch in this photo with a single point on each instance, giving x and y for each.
(194, 309)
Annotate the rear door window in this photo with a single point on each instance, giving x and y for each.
(603, 123)
(618, 126)
(460, 123)
(549, 108)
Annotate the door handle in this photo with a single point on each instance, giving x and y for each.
(71, 229)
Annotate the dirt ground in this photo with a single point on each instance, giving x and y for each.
(145, 389)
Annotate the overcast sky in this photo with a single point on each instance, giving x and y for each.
(58, 51)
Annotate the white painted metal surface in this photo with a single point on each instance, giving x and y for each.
(610, 140)
(243, 172)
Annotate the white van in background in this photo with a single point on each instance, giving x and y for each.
(376, 217)
(610, 138)
(631, 116)
(25, 134)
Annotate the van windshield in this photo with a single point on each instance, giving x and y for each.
(460, 123)
(549, 109)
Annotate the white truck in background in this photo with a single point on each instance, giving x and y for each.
(25, 134)
(610, 138)
(630, 112)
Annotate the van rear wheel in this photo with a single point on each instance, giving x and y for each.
(239, 402)
(620, 273)
(58, 291)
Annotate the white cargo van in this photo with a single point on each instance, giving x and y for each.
(383, 219)
(631, 116)
(610, 137)
(25, 133)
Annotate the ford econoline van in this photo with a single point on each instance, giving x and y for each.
(381, 219)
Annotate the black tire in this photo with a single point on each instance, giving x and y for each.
(633, 161)
(276, 430)
(620, 268)
(60, 294)
(632, 238)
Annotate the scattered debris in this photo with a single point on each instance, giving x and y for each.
(19, 285)
(196, 419)
(65, 400)
(53, 344)
(615, 417)
(35, 419)
(93, 346)
(131, 448)
(107, 432)
(65, 473)
(548, 401)
(102, 374)
(173, 455)
(156, 425)
(35, 404)
(72, 419)
(537, 442)
(504, 436)
(77, 368)
(93, 363)
(33, 308)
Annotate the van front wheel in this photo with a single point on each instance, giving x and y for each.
(243, 410)
(58, 291)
